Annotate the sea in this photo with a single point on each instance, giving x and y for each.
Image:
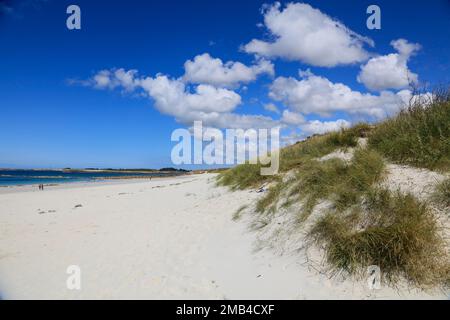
(31, 177)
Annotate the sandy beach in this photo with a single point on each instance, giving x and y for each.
(169, 238)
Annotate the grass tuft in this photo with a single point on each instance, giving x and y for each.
(441, 194)
(238, 214)
(248, 175)
(320, 145)
(342, 183)
(394, 231)
(419, 135)
(242, 176)
(268, 203)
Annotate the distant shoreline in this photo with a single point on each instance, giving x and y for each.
(18, 188)
(24, 177)
(90, 170)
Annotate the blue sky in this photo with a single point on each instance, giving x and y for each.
(55, 112)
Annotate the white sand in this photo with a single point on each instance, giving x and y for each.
(162, 239)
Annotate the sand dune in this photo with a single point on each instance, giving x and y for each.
(170, 238)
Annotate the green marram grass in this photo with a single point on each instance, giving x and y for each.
(394, 231)
(238, 214)
(248, 175)
(242, 176)
(333, 179)
(419, 135)
(441, 194)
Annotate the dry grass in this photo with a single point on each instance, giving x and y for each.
(269, 202)
(393, 231)
(242, 176)
(418, 136)
(238, 214)
(248, 175)
(441, 194)
(317, 146)
(335, 180)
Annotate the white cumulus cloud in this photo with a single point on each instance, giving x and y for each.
(292, 118)
(110, 79)
(314, 94)
(390, 71)
(319, 127)
(171, 97)
(207, 70)
(204, 102)
(271, 107)
(303, 33)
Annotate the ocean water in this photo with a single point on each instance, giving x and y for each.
(27, 177)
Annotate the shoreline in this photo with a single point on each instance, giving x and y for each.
(87, 183)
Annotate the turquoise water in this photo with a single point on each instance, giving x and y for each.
(27, 177)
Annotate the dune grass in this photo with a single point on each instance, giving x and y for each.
(441, 194)
(238, 214)
(317, 146)
(333, 179)
(393, 231)
(419, 135)
(242, 176)
(248, 175)
(268, 202)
